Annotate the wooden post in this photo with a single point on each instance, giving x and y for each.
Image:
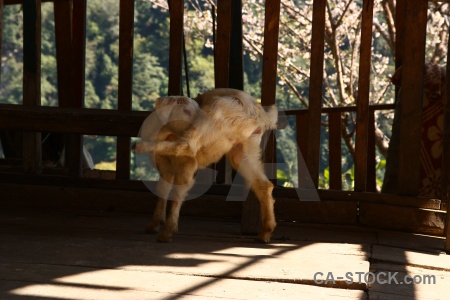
(335, 148)
(412, 91)
(176, 10)
(315, 89)
(399, 36)
(32, 155)
(251, 213)
(362, 115)
(446, 157)
(126, 38)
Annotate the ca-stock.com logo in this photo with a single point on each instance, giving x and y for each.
(146, 168)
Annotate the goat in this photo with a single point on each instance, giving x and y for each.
(193, 134)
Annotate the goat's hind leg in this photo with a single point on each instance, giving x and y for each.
(247, 161)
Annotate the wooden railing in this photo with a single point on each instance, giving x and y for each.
(71, 118)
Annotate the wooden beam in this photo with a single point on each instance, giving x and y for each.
(315, 89)
(223, 190)
(335, 149)
(362, 116)
(32, 156)
(425, 221)
(126, 38)
(412, 90)
(106, 122)
(176, 10)
(76, 120)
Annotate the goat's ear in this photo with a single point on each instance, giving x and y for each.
(199, 99)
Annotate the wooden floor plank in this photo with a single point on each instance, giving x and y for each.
(58, 282)
(75, 254)
(197, 256)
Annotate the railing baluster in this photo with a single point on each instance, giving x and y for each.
(315, 89)
(334, 141)
(74, 145)
(222, 68)
(32, 157)
(363, 96)
(371, 153)
(301, 122)
(126, 27)
(176, 11)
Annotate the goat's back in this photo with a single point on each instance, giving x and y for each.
(235, 109)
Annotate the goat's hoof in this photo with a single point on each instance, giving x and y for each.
(153, 227)
(264, 238)
(265, 235)
(151, 230)
(164, 238)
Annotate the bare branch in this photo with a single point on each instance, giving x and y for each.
(389, 9)
(384, 34)
(339, 22)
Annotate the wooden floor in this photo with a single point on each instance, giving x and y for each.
(68, 254)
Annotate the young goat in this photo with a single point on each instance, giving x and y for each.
(186, 135)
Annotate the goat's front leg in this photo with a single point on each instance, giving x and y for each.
(159, 215)
(183, 182)
(163, 188)
(171, 225)
(164, 148)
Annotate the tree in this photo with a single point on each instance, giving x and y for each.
(342, 41)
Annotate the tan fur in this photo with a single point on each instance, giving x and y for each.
(195, 134)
